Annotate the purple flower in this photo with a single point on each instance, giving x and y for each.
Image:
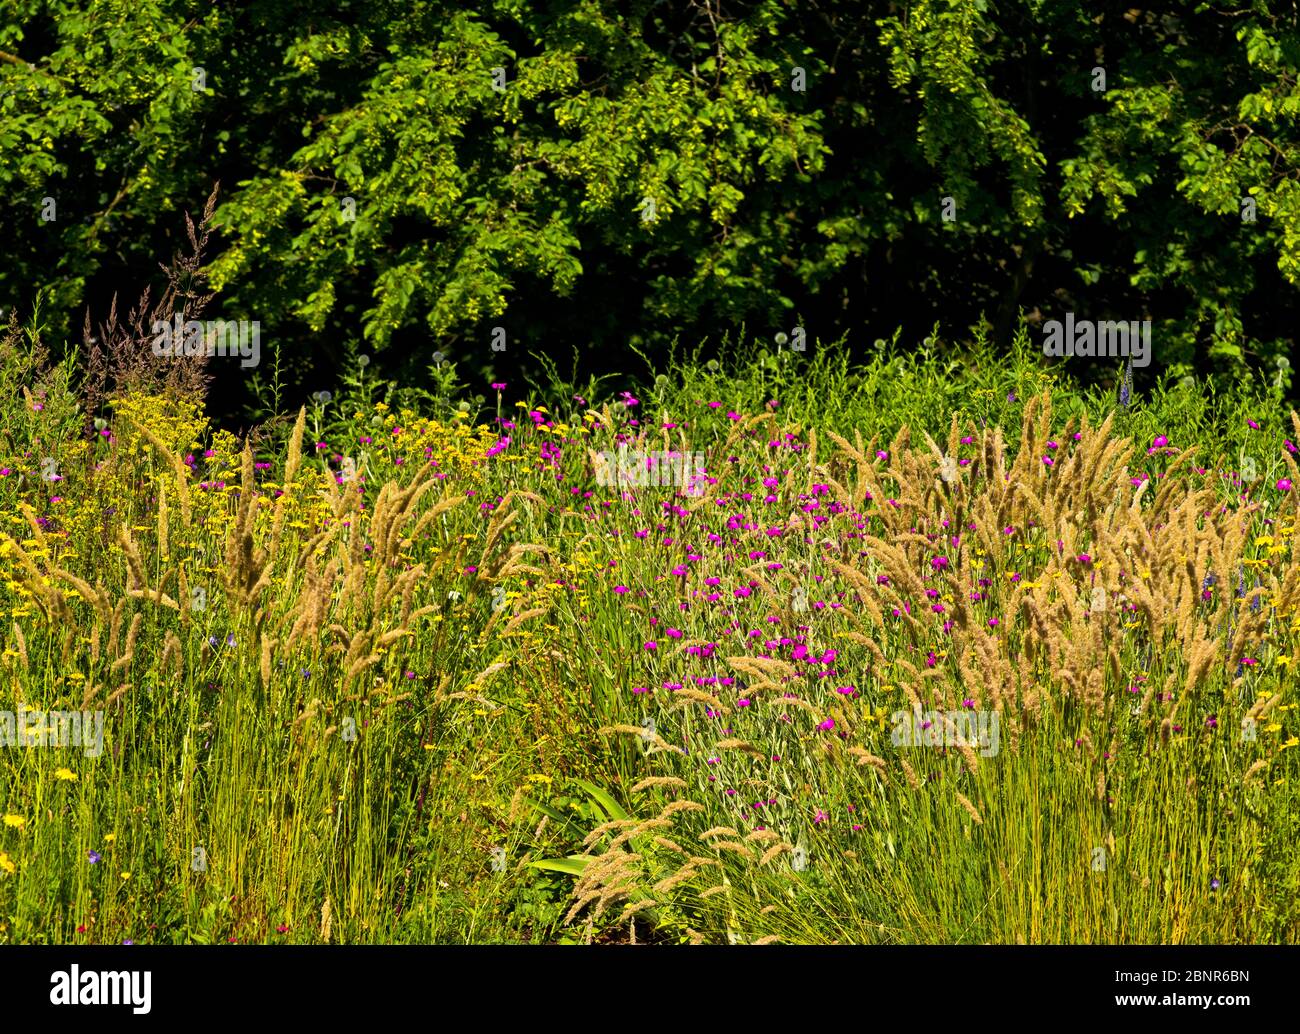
(94, 856)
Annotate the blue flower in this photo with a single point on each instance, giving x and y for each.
(1126, 385)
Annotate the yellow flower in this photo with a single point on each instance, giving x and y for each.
(109, 837)
(15, 821)
(126, 875)
(66, 774)
(7, 864)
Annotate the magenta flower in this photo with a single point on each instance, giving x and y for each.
(827, 725)
(1284, 485)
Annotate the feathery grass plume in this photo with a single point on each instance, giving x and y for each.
(359, 666)
(775, 851)
(97, 598)
(634, 730)
(1262, 707)
(1200, 659)
(670, 845)
(652, 781)
(680, 806)
(716, 831)
(970, 809)
(609, 826)
(519, 619)
(1257, 767)
(268, 644)
(735, 846)
(762, 667)
(912, 780)
(20, 641)
(683, 875)
(735, 744)
(866, 590)
(866, 758)
(638, 830)
(689, 693)
(128, 651)
(293, 461)
(173, 656)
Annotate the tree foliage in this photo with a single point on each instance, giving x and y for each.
(599, 176)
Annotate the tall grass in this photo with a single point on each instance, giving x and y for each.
(403, 696)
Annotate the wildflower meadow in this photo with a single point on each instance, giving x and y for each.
(908, 656)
